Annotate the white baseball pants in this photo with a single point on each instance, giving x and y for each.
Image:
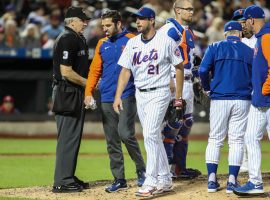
(258, 119)
(227, 117)
(152, 106)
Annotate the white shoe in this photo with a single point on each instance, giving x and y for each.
(165, 187)
(146, 191)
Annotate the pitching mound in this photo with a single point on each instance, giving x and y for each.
(183, 189)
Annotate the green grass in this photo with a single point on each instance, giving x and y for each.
(93, 163)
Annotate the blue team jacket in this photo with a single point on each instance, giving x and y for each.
(230, 64)
(104, 66)
(260, 68)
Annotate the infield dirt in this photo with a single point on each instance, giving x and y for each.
(183, 190)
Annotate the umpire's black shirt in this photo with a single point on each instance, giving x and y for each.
(70, 49)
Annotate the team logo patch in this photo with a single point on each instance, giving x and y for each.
(177, 52)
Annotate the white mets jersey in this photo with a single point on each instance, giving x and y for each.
(150, 60)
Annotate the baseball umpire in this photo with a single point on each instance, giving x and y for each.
(70, 67)
(229, 62)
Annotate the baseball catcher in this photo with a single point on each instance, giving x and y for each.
(175, 132)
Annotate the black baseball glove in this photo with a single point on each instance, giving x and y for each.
(200, 96)
(197, 60)
(176, 110)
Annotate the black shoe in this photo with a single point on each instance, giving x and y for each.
(189, 173)
(84, 185)
(71, 187)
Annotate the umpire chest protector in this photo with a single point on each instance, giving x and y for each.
(70, 49)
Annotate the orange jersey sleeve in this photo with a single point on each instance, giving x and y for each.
(95, 71)
(184, 47)
(130, 35)
(266, 53)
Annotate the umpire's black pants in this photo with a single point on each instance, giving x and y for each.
(69, 130)
(119, 128)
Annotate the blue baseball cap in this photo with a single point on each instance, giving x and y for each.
(232, 25)
(10, 7)
(238, 14)
(255, 12)
(145, 12)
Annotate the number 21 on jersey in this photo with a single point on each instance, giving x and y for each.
(153, 69)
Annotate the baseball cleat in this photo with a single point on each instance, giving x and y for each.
(118, 184)
(249, 189)
(189, 173)
(162, 188)
(146, 191)
(213, 186)
(231, 186)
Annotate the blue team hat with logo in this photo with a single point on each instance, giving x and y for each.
(238, 14)
(232, 25)
(255, 12)
(145, 12)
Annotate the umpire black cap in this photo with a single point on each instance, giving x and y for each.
(76, 12)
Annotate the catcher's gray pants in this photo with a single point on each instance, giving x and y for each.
(69, 130)
(119, 128)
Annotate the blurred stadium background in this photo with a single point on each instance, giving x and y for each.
(28, 29)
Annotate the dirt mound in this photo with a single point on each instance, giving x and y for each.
(183, 189)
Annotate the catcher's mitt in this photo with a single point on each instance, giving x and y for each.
(175, 111)
(200, 96)
(197, 60)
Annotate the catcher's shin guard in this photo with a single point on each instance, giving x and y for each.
(169, 133)
(181, 144)
(180, 153)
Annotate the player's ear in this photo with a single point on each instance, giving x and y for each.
(119, 24)
(177, 11)
(152, 20)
